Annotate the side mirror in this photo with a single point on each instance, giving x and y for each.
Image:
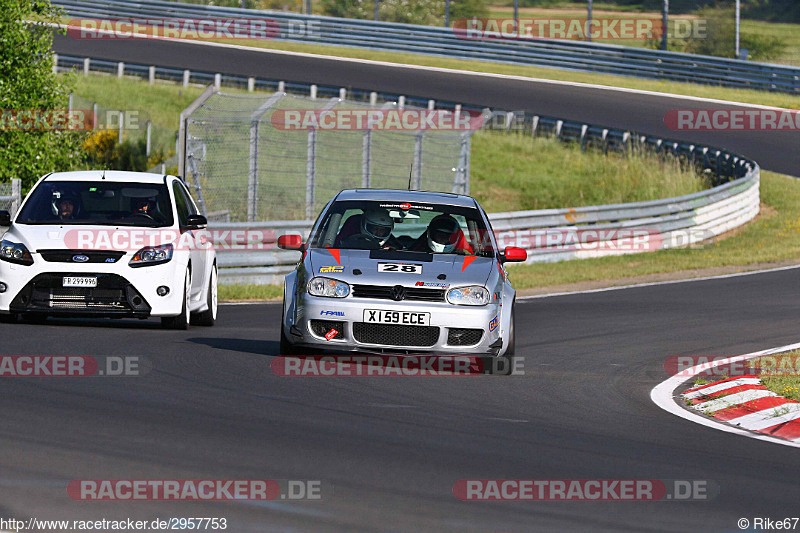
(196, 222)
(512, 254)
(291, 242)
(5, 218)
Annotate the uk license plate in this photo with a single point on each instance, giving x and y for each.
(80, 281)
(406, 318)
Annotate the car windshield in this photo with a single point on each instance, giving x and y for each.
(408, 227)
(98, 202)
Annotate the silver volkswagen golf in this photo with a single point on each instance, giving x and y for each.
(390, 271)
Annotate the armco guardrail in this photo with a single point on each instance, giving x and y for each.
(572, 55)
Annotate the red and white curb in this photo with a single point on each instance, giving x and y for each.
(746, 403)
(746, 406)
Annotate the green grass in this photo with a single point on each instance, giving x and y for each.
(250, 292)
(510, 172)
(789, 34)
(786, 383)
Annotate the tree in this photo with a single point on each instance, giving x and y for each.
(27, 82)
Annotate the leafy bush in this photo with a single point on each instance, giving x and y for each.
(103, 150)
(27, 82)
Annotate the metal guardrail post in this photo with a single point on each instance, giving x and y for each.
(417, 170)
(201, 201)
(366, 158)
(16, 192)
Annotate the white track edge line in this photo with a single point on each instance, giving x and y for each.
(662, 395)
(655, 283)
(456, 71)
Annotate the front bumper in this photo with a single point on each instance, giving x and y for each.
(121, 290)
(453, 330)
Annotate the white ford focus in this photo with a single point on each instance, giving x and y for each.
(108, 244)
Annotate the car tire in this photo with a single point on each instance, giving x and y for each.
(209, 316)
(286, 348)
(182, 320)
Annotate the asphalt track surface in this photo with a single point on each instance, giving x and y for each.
(776, 151)
(392, 448)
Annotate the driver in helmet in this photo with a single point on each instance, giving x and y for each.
(443, 235)
(377, 224)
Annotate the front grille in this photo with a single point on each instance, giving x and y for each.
(385, 293)
(66, 256)
(80, 298)
(321, 327)
(464, 337)
(394, 335)
(113, 294)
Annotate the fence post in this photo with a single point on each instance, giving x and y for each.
(121, 122)
(417, 170)
(94, 116)
(431, 105)
(373, 98)
(311, 172)
(218, 80)
(343, 93)
(281, 86)
(120, 69)
(401, 102)
(149, 127)
(55, 63)
(366, 159)
(69, 103)
(461, 182)
(86, 61)
(252, 182)
(151, 74)
(180, 142)
(313, 92)
(251, 84)
(186, 74)
(16, 192)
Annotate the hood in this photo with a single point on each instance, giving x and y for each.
(74, 237)
(457, 269)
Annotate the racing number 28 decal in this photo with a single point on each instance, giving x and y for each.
(400, 267)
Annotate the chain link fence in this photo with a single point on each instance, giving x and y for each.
(249, 158)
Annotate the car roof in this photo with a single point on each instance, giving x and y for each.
(399, 195)
(108, 175)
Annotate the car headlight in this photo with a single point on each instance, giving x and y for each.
(473, 295)
(330, 288)
(152, 255)
(14, 252)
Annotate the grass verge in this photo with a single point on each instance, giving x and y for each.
(243, 293)
(510, 172)
(787, 383)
